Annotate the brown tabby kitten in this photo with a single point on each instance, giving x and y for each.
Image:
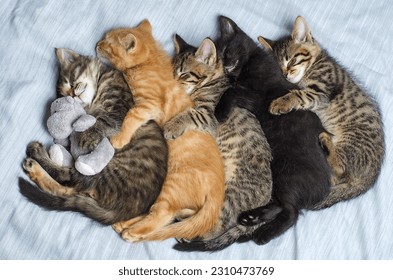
(246, 153)
(355, 142)
(131, 181)
(194, 186)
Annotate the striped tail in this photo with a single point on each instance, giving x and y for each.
(78, 203)
(219, 243)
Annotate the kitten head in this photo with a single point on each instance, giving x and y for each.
(295, 54)
(234, 45)
(127, 47)
(78, 76)
(196, 67)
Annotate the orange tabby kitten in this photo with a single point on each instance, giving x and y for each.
(194, 187)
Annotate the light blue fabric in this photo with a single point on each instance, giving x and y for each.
(357, 33)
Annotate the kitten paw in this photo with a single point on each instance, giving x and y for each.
(281, 106)
(183, 240)
(118, 142)
(172, 131)
(32, 168)
(248, 219)
(118, 227)
(260, 240)
(88, 140)
(35, 149)
(129, 236)
(325, 141)
(28, 164)
(263, 235)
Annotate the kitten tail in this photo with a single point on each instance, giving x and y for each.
(218, 243)
(85, 205)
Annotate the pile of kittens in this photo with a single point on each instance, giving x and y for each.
(224, 142)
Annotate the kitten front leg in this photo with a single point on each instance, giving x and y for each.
(191, 119)
(295, 100)
(284, 104)
(135, 118)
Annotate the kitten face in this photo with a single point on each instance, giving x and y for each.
(234, 45)
(297, 53)
(294, 60)
(122, 46)
(78, 76)
(193, 67)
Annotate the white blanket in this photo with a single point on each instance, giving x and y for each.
(358, 33)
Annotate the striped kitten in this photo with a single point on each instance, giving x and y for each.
(246, 153)
(132, 180)
(355, 137)
(300, 172)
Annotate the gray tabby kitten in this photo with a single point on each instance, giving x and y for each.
(355, 142)
(245, 151)
(132, 180)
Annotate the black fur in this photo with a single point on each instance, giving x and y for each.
(301, 175)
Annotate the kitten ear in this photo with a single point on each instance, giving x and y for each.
(301, 31)
(145, 26)
(266, 43)
(128, 42)
(207, 52)
(227, 26)
(180, 44)
(66, 56)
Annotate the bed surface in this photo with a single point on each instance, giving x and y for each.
(357, 33)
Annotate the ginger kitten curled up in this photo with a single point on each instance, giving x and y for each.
(355, 138)
(194, 187)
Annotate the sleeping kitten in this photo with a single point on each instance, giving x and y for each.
(354, 138)
(299, 168)
(132, 180)
(240, 138)
(194, 187)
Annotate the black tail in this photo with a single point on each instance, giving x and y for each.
(78, 203)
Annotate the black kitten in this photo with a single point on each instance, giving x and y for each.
(301, 175)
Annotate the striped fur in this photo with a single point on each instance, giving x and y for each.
(300, 173)
(246, 153)
(355, 137)
(193, 190)
(132, 180)
(201, 74)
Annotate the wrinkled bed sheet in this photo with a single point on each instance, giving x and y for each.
(357, 33)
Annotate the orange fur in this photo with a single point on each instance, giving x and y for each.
(194, 186)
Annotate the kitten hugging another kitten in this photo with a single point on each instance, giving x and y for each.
(354, 138)
(228, 141)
